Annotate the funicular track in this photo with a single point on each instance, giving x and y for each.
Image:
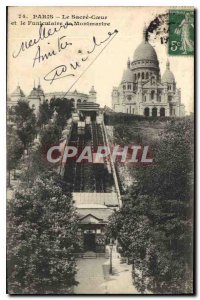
(84, 176)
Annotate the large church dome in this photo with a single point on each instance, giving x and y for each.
(145, 58)
(145, 52)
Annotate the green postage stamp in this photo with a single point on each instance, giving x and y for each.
(181, 32)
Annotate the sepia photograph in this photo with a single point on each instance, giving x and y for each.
(100, 150)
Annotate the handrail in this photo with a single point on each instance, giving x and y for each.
(62, 164)
(113, 167)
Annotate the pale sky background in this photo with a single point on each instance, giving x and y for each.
(107, 70)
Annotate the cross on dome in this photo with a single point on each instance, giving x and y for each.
(145, 33)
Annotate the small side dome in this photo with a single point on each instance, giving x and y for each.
(92, 90)
(34, 93)
(127, 76)
(18, 93)
(40, 91)
(168, 76)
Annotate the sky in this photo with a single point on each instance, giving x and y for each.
(103, 68)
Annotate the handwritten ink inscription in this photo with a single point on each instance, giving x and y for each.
(57, 72)
(63, 44)
(43, 34)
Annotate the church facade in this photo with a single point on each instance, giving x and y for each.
(143, 91)
(37, 96)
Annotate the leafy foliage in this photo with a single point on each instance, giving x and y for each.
(154, 227)
(113, 118)
(26, 123)
(42, 221)
(50, 136)
(64, 109)
(45, 113)
(14, 150)
(41, 227)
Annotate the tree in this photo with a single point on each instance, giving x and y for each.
(26, 123)
(14, 151)
(173, 163)
(64, 109)
(133, 230)
(45, 113)
(154, 226)
(42, 224)
(49, 137)
(10, 114)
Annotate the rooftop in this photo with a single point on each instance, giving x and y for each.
(95, 199)
(99, 213)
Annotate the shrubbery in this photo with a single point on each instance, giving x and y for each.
(155, 225)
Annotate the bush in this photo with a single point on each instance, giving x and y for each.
(42, 225)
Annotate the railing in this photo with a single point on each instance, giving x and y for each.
(62, 163)
(112, 167)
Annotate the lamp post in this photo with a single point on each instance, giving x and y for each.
(111, 248)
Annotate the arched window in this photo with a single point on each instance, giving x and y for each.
(124, 86)
(142, 75)
(154, 112)
(138, 75)
(79, 101)
(147, 75)
(146, 111)
(162, 112)
(145, 98)
(152, 95)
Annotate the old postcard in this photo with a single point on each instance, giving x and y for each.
(100, 150)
